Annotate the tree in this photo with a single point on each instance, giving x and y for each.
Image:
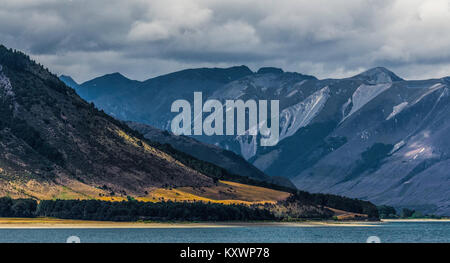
(386, 211)
(407, 213)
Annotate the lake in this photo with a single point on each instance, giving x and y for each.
(389, 232)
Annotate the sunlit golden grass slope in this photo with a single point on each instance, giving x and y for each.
(224, 192)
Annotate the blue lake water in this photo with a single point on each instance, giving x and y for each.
(397, 232)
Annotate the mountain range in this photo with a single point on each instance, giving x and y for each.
(55, 145)
(373, 136)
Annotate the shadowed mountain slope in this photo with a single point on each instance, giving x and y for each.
(373, 136)
(228, 160)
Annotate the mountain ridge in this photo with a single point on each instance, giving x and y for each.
(378, 75)
(48, 121)
(333, 131)
(228, 160)
(69, 81)
(56, 146)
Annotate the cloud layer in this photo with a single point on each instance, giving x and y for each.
(141, 39)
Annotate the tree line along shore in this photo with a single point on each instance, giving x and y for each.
(132, 210)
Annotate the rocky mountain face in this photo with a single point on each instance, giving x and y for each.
(50, 137)
(373, 136)
(149, 101)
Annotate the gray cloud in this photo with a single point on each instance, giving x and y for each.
(141, 39)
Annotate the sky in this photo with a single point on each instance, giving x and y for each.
(143, 39)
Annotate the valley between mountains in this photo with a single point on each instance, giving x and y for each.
(55, 145)
(373, 136)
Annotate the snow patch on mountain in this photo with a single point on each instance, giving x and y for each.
(397, 147)
(397, 109)
(300, 115)
(296, 86)
(419, 150)
(292, 93)
(364, 94)
(345, 107)
(429, 91)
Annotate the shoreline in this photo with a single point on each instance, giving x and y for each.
(53, 223)
(424, 220)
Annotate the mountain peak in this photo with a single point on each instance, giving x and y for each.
(378, 75)
(105, 84)
(223, 75)
(115, 75)
(68, 80)
(268, 70)
(108, 78)
(66, 77)
(446, 79)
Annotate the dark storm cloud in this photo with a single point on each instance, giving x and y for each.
(327, 38)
